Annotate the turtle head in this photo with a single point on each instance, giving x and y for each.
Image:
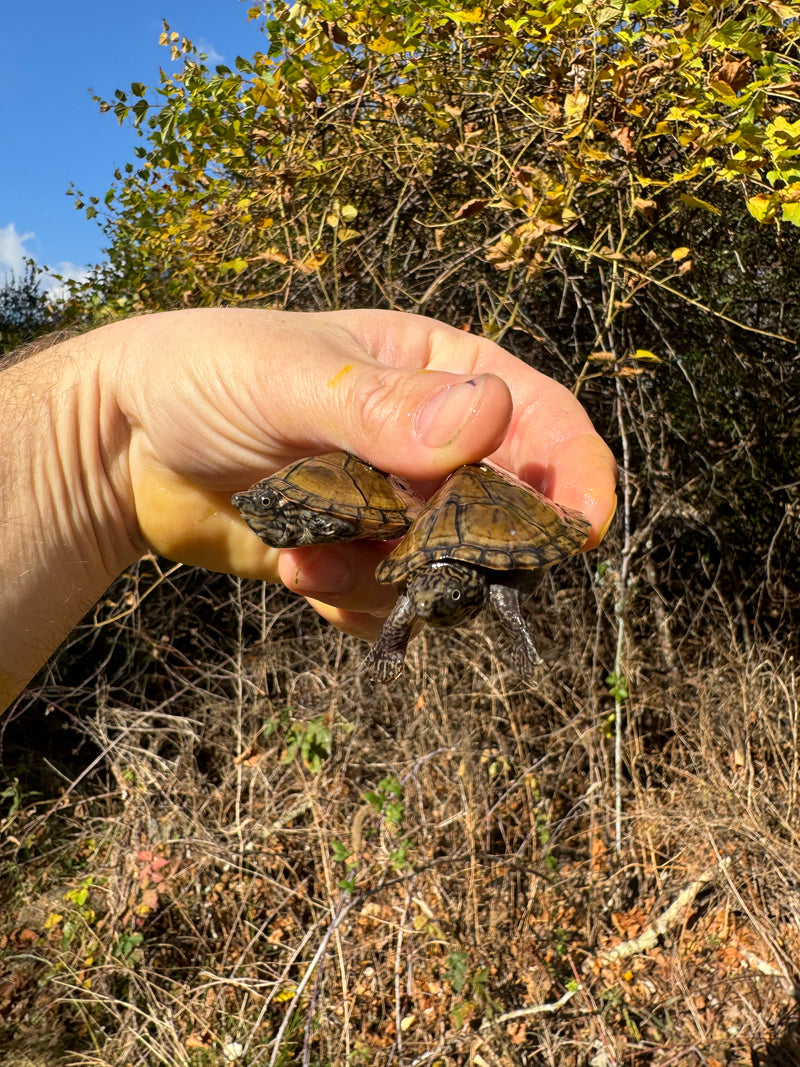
(445, 594)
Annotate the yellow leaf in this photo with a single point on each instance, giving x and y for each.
(407, 1022)
(53, 919)
(262, 94)
(474, 14)
(575, 105)
(285, 994)
(643, 353)
(762, 207)
(695, 201)
(784, 11)
(791, 213)
(385, 46)
(723, 91)
(679, 253)
(237, 265)
(311, 263)
(782, 133)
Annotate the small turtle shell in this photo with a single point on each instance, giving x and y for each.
(490, 519)
(332, 497)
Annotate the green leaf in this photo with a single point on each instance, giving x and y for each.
(618, 686)
(339, 852)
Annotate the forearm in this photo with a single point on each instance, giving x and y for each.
(63, 532)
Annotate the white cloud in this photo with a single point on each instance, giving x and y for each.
(210, 52)
(13, 254)
(12, 249)
(56, 287)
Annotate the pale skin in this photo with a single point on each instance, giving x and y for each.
(135, 435)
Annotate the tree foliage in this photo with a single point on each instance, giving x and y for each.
(25, 310)
(504, 132)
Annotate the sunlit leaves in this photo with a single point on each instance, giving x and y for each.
(246, 171)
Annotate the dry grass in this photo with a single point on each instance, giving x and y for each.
(273, 862)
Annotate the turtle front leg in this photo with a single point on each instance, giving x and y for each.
(387, 655)
(505, 601)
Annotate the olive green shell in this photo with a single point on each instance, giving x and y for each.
(335, 496)
(490, 519)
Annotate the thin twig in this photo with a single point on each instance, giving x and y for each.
(342, 912)
(630, 269)
(620, 610)
(534, 1009)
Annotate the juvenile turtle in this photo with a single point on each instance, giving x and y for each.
(480, 537)
(333, 497)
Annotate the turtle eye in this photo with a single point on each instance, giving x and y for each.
(264, 500)
(456, 594)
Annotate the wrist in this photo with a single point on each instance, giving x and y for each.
(67, 531)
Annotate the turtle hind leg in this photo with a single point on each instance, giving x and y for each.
(387, 655)
(505, 601)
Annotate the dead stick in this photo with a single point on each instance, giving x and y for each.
(649, 938)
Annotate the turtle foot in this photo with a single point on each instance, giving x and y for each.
(525, 658)
(387, 655)
(385, 665)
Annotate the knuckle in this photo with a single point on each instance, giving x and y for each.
(381, 395)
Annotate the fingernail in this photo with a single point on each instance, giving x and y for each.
(446, 413)
(609, 520)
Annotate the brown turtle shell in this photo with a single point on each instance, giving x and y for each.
(332, 497)
(490, 519)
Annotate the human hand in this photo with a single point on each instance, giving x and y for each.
(218, 399)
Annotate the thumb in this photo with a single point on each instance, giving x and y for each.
(420, 424)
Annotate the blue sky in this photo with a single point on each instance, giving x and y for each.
(53, 57)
